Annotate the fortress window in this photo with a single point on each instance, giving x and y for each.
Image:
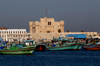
(49, 23)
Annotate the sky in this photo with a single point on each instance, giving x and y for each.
(77, 14)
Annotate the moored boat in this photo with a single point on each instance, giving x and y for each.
(64, 47)
(16, 51)
(92, 46)
(13, 49)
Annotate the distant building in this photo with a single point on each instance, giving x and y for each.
(14, 34)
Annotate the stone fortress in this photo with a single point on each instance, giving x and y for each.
(48, 28)
(46, 25)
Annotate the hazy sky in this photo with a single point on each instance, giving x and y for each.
(77, 14)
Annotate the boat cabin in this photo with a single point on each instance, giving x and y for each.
(29, 42)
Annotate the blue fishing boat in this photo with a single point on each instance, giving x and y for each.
(2, 43)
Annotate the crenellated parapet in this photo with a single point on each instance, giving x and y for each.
(30, 23)
(37, 23)
(62, 23)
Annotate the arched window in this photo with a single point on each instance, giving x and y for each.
(49, 23)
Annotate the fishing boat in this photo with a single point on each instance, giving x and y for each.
(63, 47)
(12, 49)
(92, 46)
(63, 44)
(16, 51)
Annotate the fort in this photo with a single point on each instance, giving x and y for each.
(48, 28)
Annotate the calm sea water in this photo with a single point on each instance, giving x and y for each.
(53, 58)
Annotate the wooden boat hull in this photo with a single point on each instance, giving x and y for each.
(93, 48)
(68, 47)
(16, 51)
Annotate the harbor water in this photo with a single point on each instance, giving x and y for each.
(53, 58)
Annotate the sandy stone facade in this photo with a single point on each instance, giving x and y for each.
(46, 25)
